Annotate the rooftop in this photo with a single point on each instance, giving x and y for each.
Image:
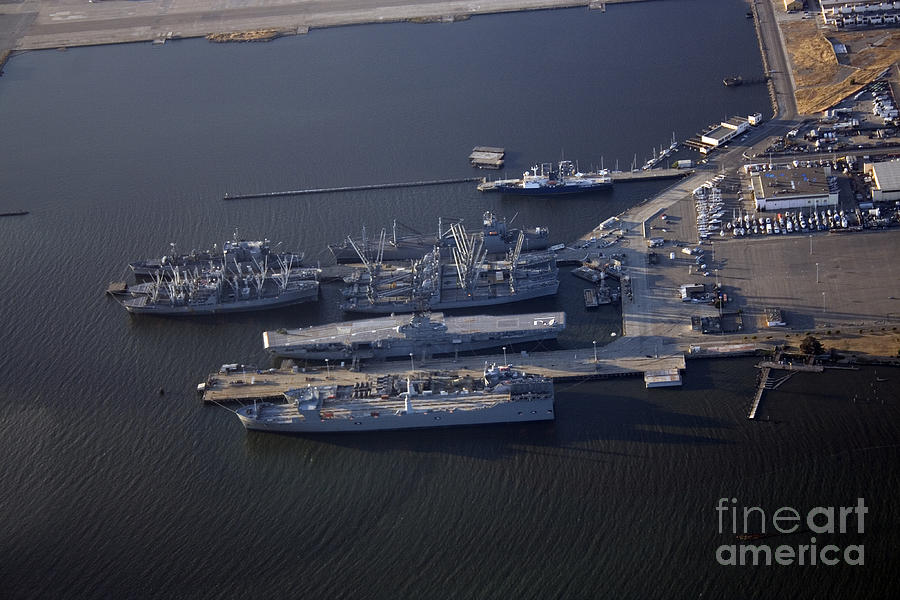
(785, 182)
(886, 175)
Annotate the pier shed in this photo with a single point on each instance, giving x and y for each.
(725, 131)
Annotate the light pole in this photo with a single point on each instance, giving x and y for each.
(327, 372)
(595, 350)
(810, 244)
(412, 365)
(817, 272)
(823, 302)
(504, 356)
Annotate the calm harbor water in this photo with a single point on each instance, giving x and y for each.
(110, 489)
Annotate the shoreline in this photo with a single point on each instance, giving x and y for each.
(73, 23)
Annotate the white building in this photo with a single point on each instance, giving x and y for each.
(784, 188)
(725, 131)
(885, 180)
(841, 14)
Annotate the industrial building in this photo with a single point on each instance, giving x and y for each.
(725, 131)
(846, 14)
(784, 188)
(885, 180)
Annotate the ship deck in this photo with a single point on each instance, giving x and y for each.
(619, 359)
(365, 331)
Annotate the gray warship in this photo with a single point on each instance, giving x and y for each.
(420, 335)
(497, 237)
(218, 291)
(237, 255)
(469, 281)
(444, 399)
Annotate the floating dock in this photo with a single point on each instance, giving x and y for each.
(487, 157)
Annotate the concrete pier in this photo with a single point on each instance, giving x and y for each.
(561, 365)
(349, 188)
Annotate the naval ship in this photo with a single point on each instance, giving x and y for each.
(420, 335)
(218, 291)
(443, 399)
(469, 281)
(547, 180)
(236, 255)
(498, 239)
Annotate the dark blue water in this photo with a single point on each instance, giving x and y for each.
(111, 490)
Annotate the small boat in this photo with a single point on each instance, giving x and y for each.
(733, 81)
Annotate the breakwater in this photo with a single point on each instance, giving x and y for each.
(349, 188)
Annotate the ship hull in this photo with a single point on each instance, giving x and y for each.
(508, 412)
(408, 307)
(286, 299)
(402, 348)
(551, 191)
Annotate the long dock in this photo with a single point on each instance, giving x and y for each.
(561, 365)
(760, 390)
(349, 188)
(626, 176)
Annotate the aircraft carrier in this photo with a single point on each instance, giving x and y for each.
(442, 399)
(420, 335)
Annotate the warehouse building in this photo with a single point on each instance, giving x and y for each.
(885, 180)
(784, 188)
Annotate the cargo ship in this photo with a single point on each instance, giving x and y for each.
(468, 281)
(547, 180)
(426, 334)
(215, 292)
(498, 238)
(418, 400)
(236, 255)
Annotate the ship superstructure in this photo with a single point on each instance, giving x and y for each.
(498, 238)
(417, 400)
(212, 291)
(546, 179)
(399, 336)
(236, 256)
(468, 280)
